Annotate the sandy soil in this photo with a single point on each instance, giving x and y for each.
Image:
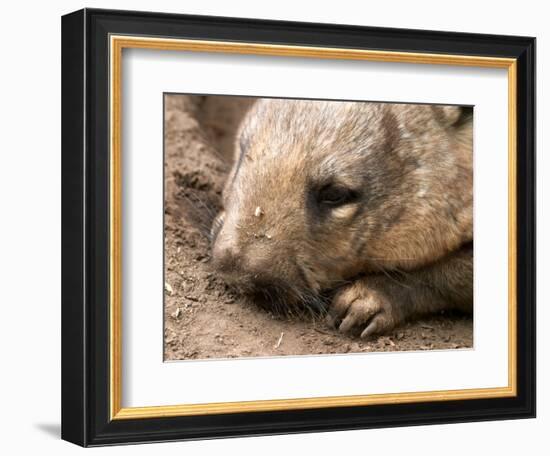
(203, 318)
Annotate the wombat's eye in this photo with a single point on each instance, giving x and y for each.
(335, 195)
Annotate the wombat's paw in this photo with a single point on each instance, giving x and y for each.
(358, 307)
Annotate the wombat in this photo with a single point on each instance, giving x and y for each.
(362, 208)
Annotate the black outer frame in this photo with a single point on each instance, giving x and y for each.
(85, 227)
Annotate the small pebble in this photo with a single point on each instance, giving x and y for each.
(168, 288)
(177, 314)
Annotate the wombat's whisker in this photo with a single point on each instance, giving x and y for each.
(199, 219)
(211, 210)
(393, 279)
(201, 227)
(332, 283)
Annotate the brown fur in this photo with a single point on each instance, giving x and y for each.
(400, 246)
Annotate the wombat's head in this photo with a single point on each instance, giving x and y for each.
(323, 191)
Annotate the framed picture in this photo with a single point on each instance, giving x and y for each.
(268, 227)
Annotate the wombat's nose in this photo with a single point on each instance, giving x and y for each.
(245, 264)
(225, 256)
(239, 265)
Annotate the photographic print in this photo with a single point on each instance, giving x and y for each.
(252, 201)
(308, 227)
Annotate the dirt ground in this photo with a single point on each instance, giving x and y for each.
(203, 318)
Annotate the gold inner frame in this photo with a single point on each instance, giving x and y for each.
(117, 44)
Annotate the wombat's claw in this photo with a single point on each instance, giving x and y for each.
(357, 307)
(377, 325)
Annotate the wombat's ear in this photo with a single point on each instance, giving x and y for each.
(449, 116)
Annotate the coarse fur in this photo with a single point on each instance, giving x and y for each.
(371, 202)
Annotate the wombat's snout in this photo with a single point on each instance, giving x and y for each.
(240, 265)
(225, 256)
